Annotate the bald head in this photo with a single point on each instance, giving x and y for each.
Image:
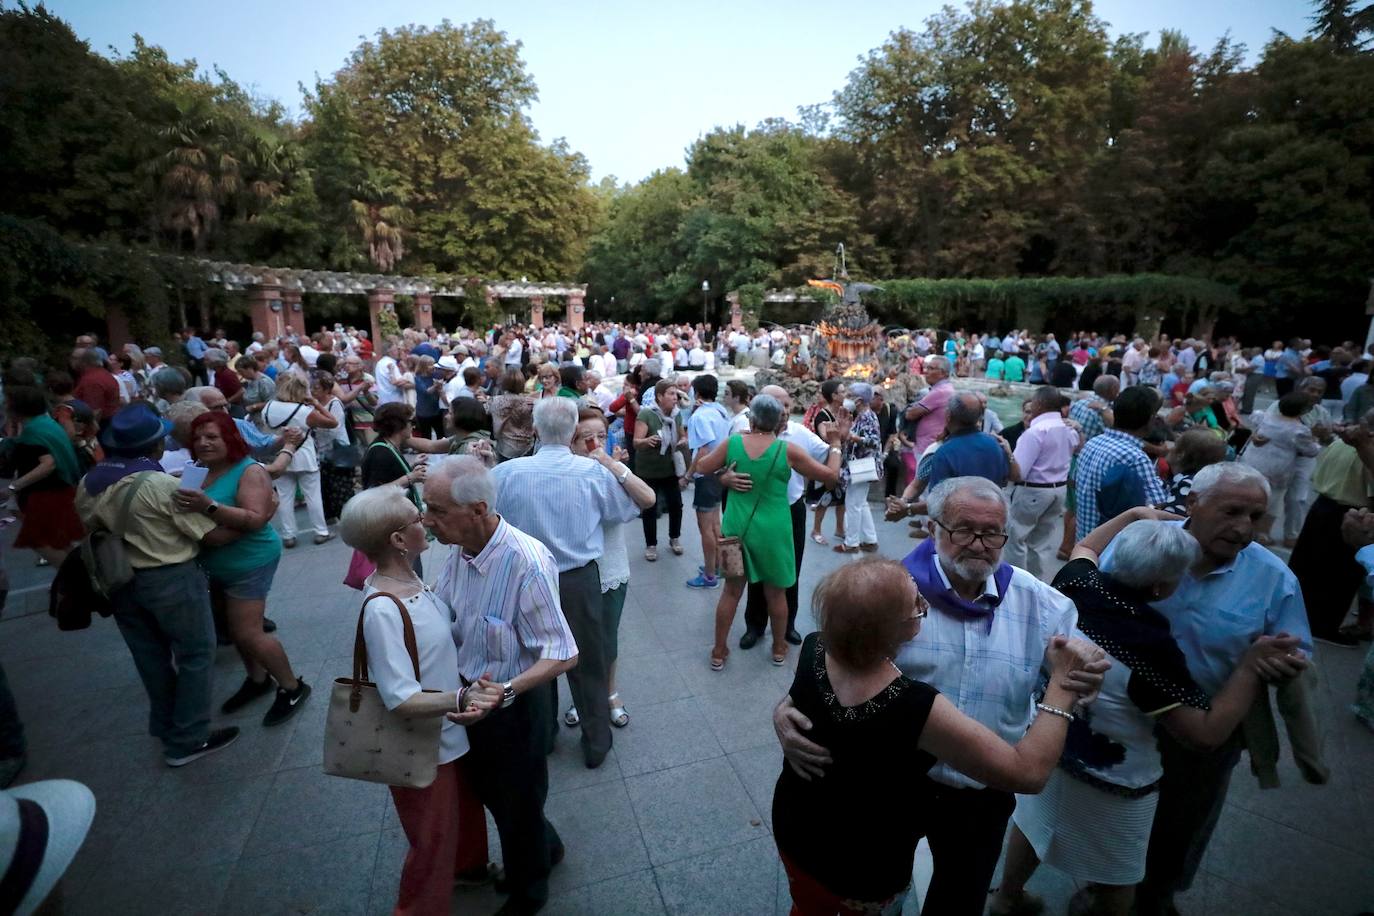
(780, 393)
(964, 411)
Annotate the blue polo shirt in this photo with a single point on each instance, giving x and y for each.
(969, 454)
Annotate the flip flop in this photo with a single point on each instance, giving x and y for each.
(819, 539)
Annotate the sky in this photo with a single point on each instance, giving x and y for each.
(630, 85)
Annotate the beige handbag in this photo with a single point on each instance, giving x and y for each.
(730, 550)
(365, 740)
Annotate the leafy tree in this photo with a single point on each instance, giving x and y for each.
(1338, 23)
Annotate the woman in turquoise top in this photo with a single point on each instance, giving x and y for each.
(996, 366)
(238, 495)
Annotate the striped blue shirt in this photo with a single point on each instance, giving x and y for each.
(561, 500)
(506, 605)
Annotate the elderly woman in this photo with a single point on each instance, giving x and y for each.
(547, 380)
(848, 841)
(862, 446)
(1193, 451)
(471, 431)
(1092, 820)
(337, 458)
(512, 416)
(238, 495)
(1318, 419)
(1279, 443)
(657, 433)
(817, 497)
(258, 387)
(46, 472)
(356, 391)
(180, 415)
(169, 384)
(295, 408)
(757, 515)
(443, 822)
(429, 388)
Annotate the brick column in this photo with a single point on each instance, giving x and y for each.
(536, 311)
(293, 312)
(378, 299)
(575, 310)
(424, 311)
(266, 310)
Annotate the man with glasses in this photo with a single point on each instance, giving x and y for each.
(981, 646)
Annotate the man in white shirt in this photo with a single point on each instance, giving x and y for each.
(388, 375)
(982, 646)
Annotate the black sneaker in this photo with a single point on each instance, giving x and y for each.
(792, 636)
(246, 694)
(269, 625)
(286, 703)
(220, 738)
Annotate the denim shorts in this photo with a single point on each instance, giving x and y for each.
(252, 585)
(706, 491)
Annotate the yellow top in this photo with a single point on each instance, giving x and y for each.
(155, 534)
(1342, 476)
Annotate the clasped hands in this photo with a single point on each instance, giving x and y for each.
(478, 699)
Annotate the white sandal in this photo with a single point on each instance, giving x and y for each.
(619, 717)
(571, 718)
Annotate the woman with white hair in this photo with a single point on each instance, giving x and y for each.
(1093, 819)
(443, 822)
(759, 515)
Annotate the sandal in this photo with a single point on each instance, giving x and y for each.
(651, 554)
(780, 660)
(571, 718)
(869, 548)
(619, 717)
(819, 539)
(840, 548)
(718, 661)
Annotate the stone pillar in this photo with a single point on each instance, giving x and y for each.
(424, 311)
(736, 313)
(378, 299)
(117, 328)
(575, 310)
(536, 311)
(293, 313)
(266, 310)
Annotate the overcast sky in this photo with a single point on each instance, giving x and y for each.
(629, 84)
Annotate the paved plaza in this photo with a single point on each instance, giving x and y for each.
(676, 821)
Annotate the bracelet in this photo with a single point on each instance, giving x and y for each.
(462, 692)
(1055, 711)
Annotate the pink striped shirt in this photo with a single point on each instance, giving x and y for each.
(508, 614)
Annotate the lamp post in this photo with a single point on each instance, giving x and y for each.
(705, 300)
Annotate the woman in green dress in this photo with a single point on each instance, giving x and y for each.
(760, 516)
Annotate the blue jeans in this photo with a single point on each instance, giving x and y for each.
(11, 729)
(164, 617)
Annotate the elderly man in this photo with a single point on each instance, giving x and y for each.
(1237, 591)
(164, 612)
(756, 606)
(928, 413)
(1043, 454)
(95, 385)
(981, 646)
(1113, 472)
(561, 500)
(1094, 414)
(224, 378)
(502, 585)
(1132, 360)
(256, 439)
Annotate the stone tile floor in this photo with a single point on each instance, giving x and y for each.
(676, 821)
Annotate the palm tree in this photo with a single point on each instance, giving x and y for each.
(381, 223)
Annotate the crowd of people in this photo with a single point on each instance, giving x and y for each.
(1075, 644)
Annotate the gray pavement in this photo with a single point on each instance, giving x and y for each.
(676, 821)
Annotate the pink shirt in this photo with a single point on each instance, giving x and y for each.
(1045, 449)
(931, 425)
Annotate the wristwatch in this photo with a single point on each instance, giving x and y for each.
(621, 478)
(212, 508)
(507, 694)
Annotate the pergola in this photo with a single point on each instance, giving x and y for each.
(275, 293)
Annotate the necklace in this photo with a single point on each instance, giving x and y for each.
(412, 580)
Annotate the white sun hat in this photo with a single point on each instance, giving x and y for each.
(42, 825)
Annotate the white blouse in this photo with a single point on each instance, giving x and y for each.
(615, 561)
(388, 662)
(278, 415)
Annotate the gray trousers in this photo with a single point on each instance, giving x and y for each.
(579, 590)
(164, 617)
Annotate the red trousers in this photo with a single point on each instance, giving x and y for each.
(811, 898)
(447, 830)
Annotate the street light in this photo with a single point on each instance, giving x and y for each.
(705, 299)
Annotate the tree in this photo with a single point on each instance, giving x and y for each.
(1340, 25)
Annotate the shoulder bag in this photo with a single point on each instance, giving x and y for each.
(365, 740)
(730, 550)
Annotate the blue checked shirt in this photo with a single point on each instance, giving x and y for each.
(1113, 447)
(1087, 413)
(990, 674)
(561, 499)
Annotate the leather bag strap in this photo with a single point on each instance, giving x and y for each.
(771, 465)
(360, 645)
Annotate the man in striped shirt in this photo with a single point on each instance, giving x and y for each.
(561, 500)
(502, 586)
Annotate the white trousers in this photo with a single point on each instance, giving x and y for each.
(858, 517)
(1035, 528)
(1298, 498)
(285, 519)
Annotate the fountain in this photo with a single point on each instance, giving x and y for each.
(850, 339)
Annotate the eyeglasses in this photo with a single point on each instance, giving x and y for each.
(419, 519)
(963, 537)
(920, 608)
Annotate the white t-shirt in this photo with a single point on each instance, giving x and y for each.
(278, 415)
(389, 664)
(513, 352)
(387, 392)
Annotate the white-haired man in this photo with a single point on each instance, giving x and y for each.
(562, 499)
(502, 586)
(981, 646)
(1237, 591)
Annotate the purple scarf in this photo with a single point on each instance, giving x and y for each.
(921, 564)
(112, 470)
